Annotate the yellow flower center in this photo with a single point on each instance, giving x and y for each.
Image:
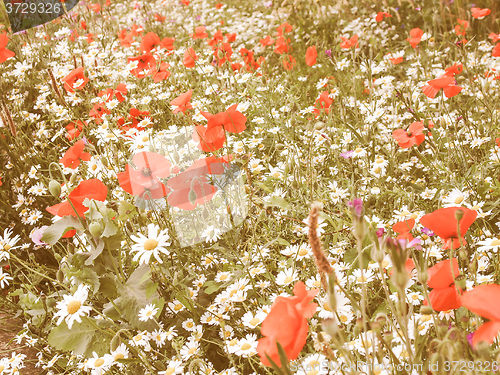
(149, 313)
(385, 263)
(119, 356)
(233, 342)
(223, 277)
(254, 321)
(377, 170)
(343, 318)
(2, 368)
(150, 244)
(99, 362)
(495, 243)
(361, 279)
(7, 247)
(189, 324)
(169, 371)
(178, 307)
(302, 252)
(192, 350)
(246, 346)
(459, 200)
(288, 279)
(74, 306)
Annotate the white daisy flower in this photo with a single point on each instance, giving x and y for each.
(71, 308)
(148, 312)
(151, 245)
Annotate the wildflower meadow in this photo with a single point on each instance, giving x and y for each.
(251, 187)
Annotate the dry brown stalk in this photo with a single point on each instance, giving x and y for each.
(324, 267)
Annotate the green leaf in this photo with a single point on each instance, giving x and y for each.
(82, 338)
(53, 233)
(95, 251)
(108, 286)
(278, 202)
(282, 241)
(212, 286)
(126, 211)
(133, 296)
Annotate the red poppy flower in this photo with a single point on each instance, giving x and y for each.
(381, 15)
(192, 188)
(311, 55)
(159, 17)
(190, 58)
(203, 144)
(217, 37)
(454, 69)
(323, 102)
(90, 38)
(74, 129)
(162, 73)
(287, 324)
(496, 50)
(284, 28)
(415, 37)
(152, 40)
(145, 64)
(223, 53)
(97, 111)
(199, 33)
(461, 28)
(267, 41)
(282, 45)
(443, 222)
(446, 83)
(484, 300)
(91, 189)
(494, 37)
(182, 102)
(289, 62)
(230, 120)
(126, 39)
(404, 228)
(144, 180)
(74, 155)
(95, 7)
(349, 43)
(397, 60)
(230, 37)
(75, 80)
(414, 135)
(479, 13)
(444, 294)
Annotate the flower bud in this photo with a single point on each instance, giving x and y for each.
(400, 278)
(459, 214)
(55, 188)
(96, 229)
(381, 318)
(377, 254)
(73, 178)
(330, 326)
(60, 276)
(461, 282)
(423, 276)
(104, 161)
(426, 310)
(58, 257)
(319, 125)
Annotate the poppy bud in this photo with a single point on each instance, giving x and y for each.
(400, 279)
(319, 125)
(96, 229)
(423, 277)
(280, 146)
(359, 323)
(60, 276)
(388, 336)
(104, 161)
(381, 318)
(192, 197)
(71, 248)
(459, 214)
(330, 326)
(426, 310)
(73, 178)
(377, 254)
(55, 188)
(461, 282)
